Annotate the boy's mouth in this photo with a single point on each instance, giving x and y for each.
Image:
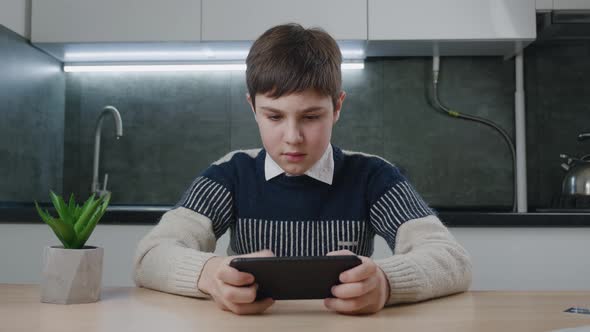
(294, 156)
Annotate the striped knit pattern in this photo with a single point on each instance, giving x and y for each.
(398, 205)
(301, 238)
(212, 200)
(300, 216)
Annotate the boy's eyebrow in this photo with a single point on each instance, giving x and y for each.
(307, 110)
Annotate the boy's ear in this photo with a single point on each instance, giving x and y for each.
(338, 106)
(250, 103)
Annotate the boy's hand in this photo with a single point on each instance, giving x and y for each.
(364, 288)
(231, 289)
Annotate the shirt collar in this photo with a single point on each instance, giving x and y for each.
(322, 170)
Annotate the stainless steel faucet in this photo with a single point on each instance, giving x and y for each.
(119, 127)
(583, 136)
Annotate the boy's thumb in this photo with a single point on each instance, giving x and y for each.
(262, 253)
(340, 253)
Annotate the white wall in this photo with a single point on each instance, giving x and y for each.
(503, 258)
(16, 16)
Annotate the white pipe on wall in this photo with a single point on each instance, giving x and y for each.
(520, 133)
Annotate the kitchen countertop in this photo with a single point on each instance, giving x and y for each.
(11, 213)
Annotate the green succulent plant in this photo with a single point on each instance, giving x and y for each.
(75, 222)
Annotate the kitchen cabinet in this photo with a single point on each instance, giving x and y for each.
(15, 16)
(245, 20)
(453, 27)
(564, 20)
(451, 20)
(571, 4)
(194, 30)
(91, 21)
(544, 5)
(549, 5)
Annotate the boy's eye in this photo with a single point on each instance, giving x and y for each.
(279, 117)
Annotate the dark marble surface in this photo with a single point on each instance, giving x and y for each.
(176, 124)
(32, 88)
(558, 109)
(169, 134)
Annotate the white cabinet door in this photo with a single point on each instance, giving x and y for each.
(59, 21)
(451, 19)
(544, 5)
(243, 20)
(14, 16)
(571, 4)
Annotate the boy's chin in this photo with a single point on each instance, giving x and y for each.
(295, 170)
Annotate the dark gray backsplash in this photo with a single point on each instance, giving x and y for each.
(558, 109)
(32, 88)
(176, 124)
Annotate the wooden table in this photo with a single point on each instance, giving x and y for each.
(136, 309)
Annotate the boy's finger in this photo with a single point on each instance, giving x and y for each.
(359, 272)
(348, 305)
(262, 253)
(340, 252)
(355, 289)
(251, 308)
(233, 277)
(239, 295)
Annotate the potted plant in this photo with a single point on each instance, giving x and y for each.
(72, 273)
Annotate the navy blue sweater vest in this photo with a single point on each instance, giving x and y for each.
(301, 216)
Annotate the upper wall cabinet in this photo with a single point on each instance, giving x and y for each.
(118, 31)
(544, 5)
(211, 30)
(452, 27)
(14, 16)
(59, 21)
(548, 5)
(563, 20)
(571, 4)
(245, 20)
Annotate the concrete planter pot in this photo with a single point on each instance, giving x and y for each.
(71, 275)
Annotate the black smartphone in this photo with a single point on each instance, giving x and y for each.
(295, 278)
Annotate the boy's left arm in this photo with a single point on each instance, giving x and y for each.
(428, 262)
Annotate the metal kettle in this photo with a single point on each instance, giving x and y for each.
(577, 179)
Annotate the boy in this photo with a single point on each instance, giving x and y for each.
(301, 196)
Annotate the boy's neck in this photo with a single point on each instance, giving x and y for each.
(319, 170)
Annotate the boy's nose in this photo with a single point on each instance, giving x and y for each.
(293, 135)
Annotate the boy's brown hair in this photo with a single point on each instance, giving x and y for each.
(289, 58)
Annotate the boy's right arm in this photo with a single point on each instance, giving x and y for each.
(171, 257)
(175, 257)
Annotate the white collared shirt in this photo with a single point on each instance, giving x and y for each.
(322, 170)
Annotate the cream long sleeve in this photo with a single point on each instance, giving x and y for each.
(171, 256)
(428, 261)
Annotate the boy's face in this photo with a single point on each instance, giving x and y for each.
(295, 129)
